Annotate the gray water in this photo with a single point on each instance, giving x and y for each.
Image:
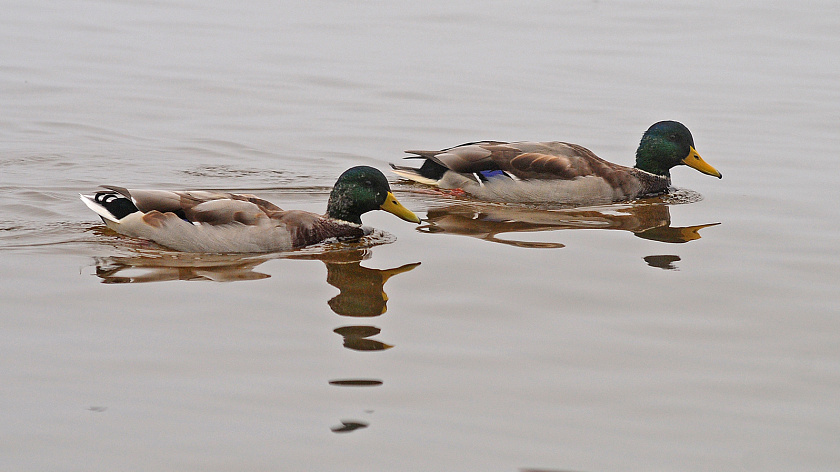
(625, 337)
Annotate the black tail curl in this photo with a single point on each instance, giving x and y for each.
(116, 204)
(430, 169)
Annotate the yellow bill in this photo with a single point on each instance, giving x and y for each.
(696, 162)
(392, 205)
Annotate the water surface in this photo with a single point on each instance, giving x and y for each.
(696, 332)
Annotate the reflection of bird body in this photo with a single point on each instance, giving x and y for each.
(557, 172)
(362, 292)
(176, 266)
(361, 289)
(201, 221)
(487, 221)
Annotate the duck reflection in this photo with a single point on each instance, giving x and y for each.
(487, 221)
(349, 426)
(356, 338)
(361, 290)
(361, 295)
(356, 382)
(161, 267)
(664, 261)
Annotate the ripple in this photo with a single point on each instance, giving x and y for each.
(375, 238)
(356, 382)
(680, 196)
(662, 261)
(349, 426)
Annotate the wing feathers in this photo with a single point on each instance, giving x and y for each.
(308, 228)
(525, 160)
(537, 171)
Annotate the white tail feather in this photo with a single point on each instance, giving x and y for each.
(97, 208)
(411, 174)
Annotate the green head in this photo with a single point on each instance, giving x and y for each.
(362, 189)
(667, 144)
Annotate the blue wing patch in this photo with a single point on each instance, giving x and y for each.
(487, 174)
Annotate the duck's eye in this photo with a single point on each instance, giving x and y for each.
(673, 137)
(368, 183)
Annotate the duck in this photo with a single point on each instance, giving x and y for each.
(557, 172)
(218, 222)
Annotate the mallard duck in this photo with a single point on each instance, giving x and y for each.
(558, 172)
(202, 221)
